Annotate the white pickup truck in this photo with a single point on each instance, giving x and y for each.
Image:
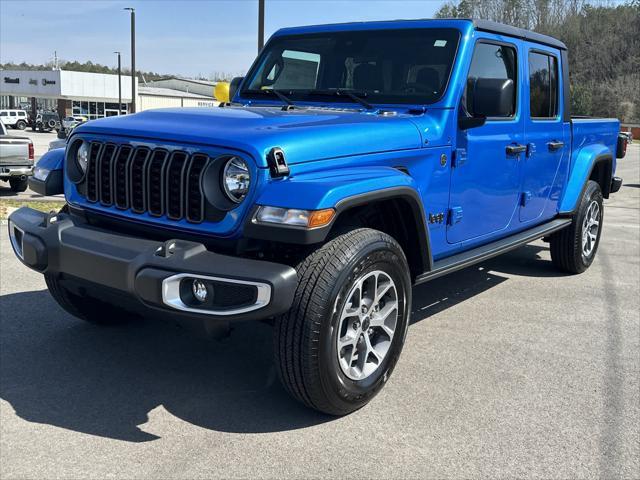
(16, 159)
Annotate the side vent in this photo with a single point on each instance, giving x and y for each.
(277, 163)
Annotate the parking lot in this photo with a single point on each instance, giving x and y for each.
(511, 369)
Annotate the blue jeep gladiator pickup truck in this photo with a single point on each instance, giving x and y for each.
(352, 162)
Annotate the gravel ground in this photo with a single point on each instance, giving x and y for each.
(511, 369)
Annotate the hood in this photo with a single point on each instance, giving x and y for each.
(305, 134)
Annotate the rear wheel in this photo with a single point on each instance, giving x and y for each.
(574, 248)
(83, 307)
(339, 342)
(18, 184)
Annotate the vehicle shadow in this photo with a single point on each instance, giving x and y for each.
(105, 381)
(5, 191)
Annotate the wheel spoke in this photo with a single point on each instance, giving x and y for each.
(371, 350)
(372, 303)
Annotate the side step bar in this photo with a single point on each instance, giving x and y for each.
(485, 252)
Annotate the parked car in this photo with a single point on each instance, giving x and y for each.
(628, 136)
(16, 160)
(46, 122)
(58, 143)
(14, 118)
(68, 123)
(351, 163)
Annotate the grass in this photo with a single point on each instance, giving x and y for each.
(7, 206)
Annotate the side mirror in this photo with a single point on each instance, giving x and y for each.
(221, 92)
(234, 86)
(493, 97)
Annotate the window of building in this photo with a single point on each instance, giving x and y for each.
(543, 85)
(491, 61)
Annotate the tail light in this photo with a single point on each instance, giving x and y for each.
(31, 152)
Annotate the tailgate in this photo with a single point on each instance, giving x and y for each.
(14, 151)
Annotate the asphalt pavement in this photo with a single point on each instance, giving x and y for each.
(511, 369)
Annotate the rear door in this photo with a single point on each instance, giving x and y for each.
(545, 133)
(485, 179)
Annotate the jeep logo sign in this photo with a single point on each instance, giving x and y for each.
(11, 80)
(48, 82)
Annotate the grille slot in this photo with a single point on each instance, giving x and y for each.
(120, 177)
(137, 168)
(195, 198)
(155, 182)
(106, 162)
(147, 180)
(175, 184)
(92, 171)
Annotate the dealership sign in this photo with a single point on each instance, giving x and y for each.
(11, 80)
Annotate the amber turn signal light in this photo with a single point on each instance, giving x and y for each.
(319, 218)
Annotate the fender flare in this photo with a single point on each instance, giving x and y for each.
(321, 192)
(580, 175)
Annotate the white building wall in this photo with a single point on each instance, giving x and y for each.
(85, 85)
(64, 84)
(148, 102)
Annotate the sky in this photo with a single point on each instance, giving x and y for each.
(188, 37)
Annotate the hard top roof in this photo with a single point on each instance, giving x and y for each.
(480, 25)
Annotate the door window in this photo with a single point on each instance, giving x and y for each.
(491, 61)
(543, 85)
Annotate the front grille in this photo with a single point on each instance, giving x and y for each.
(146, 180)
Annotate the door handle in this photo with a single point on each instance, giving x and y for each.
(516, 149)
(554, 145)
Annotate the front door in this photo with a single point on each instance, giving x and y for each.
(485, 178)
(544, 131)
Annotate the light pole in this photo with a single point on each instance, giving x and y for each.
(119, 85)
(133, 58)
(260, 25)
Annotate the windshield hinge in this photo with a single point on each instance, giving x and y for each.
(277, 163)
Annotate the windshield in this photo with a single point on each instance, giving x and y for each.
(384, 66)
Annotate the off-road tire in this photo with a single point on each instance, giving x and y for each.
(18, 185)
(566, 245)
(305, 337)
(85, 308)
(21, 124)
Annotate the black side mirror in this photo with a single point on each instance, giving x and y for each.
(233, 87)
(465, 123)
(493, 97)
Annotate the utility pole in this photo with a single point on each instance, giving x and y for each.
(119, 85)
(260, 25)
(133, 58)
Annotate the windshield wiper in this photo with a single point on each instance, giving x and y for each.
(341, 92)
(268, 91)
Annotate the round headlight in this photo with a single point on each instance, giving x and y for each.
(236, 179)
(82, 156)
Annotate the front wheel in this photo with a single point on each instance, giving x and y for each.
(574, 248)
(21, 125)
(339, 342)
(18, 184)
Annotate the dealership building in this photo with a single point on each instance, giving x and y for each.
(95, 95)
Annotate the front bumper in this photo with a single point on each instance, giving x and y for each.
(10, 171)
(150, 272)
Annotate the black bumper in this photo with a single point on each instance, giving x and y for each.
(144, 269)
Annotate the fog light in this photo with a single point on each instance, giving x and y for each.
(199, 289)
